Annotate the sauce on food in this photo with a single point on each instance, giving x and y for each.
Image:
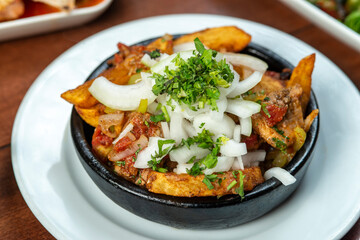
(37, 8)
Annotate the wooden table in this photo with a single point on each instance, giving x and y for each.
(21, 61)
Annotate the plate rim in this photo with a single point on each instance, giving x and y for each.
(37, 83)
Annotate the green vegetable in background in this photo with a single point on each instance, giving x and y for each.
(353, 21)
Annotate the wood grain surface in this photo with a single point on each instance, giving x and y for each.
(22, 60)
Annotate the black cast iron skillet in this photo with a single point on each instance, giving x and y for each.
(196, 212)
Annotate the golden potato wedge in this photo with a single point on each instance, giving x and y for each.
(184, 185)
(302, 75)
(91, 115)
(269, 84)
(164, 44)
(80, 96)
(222, 39)
(309, 119)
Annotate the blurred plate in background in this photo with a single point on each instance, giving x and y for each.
(326, 22)
(50, 22)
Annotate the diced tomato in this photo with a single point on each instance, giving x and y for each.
(276, 114)
(100, 139)
(252, 142)
(122, 144)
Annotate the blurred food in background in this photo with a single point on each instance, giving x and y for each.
(346, 11)
(14, 9)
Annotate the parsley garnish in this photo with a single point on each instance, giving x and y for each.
(138, 70)
(146, 123)
(263, 107)
(279, 144)
(195, 80)
(120, 163)
(201, 125)
(240, 190)
(136, 153)
(208, 179)
(156, 159)
(281, 132)
(232, 184)
(154, 54)
(157, 118)
(203, 140)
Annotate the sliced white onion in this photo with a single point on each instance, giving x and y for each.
(152, 108)
(225, 126)
(189, 129)
(128, 128)
(223, 164)
(281, 174)
(242, 108)
(238, 164)
(148, 61)
(165, 129)
(153, 147)
(141, 143)
(222, 104)
(233, 149)
(122, 97)
(226, 91)
(108, 120)
(181, 168)
(246, 60)
(252, 159)
(237, 133)
(177, 131)
(246, 126)
(162, 56)
(183, 154)
(246, 84)
(167, 62)
(184, 47)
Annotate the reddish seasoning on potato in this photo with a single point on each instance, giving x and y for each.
(274, 114)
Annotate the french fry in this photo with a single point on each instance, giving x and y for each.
(302, 75)
(222, 39)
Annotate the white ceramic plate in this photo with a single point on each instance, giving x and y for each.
(50, 22)
(66, 201)
(326, 22)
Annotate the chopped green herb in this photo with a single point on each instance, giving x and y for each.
(191, 160)
(195, 80)
(136, 153)
(146, 123)
(208, 179)
(195, 170)
(279, 144)
(266, 99)
(156, 159)
(112, 128)
(138, 70)
(263, 107)
(120, 163)
(232, 184)
(154, 54)
(157, 118)
(166, 114)
(240, 190)
(281, 132)
(201, 125)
